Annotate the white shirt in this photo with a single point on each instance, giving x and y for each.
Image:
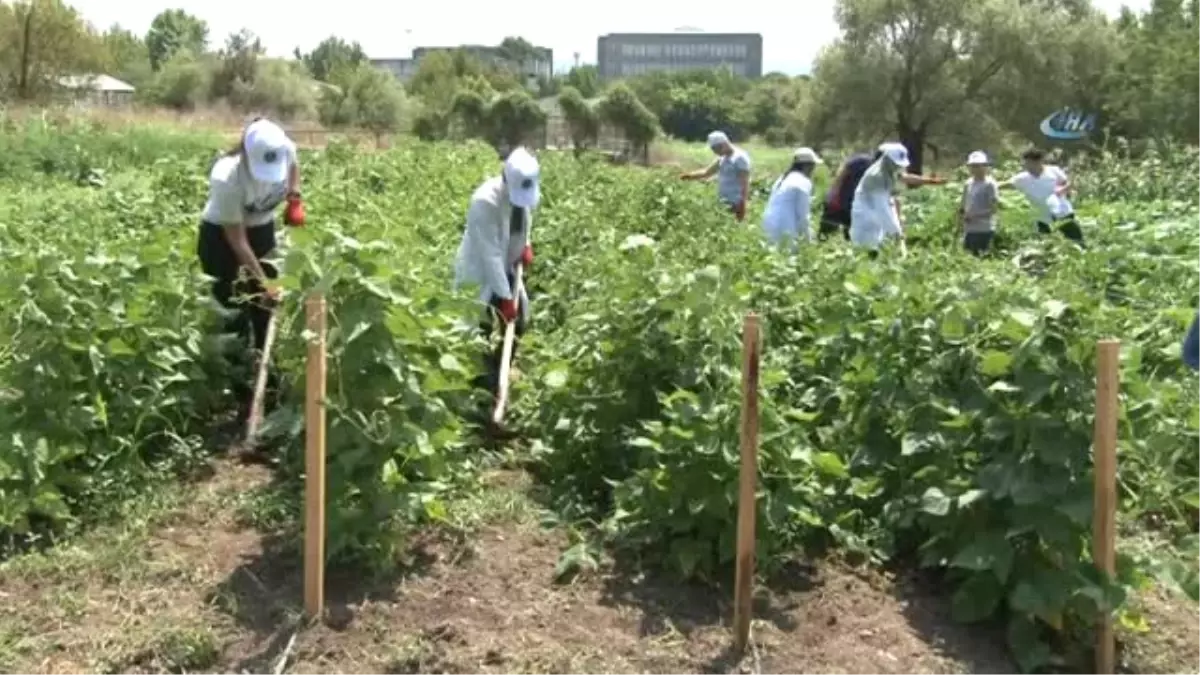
(1040, 189)
(235, 198)
(491, 245)
(729, 171)
(788, 207)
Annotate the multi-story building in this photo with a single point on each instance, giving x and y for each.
(401, 69)
(541, 66)
(630, 54)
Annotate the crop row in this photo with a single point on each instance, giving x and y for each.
(935, 410)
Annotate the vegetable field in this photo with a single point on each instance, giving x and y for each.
(933, 412)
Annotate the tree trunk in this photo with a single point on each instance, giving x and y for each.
(914, 140)
(23, 74)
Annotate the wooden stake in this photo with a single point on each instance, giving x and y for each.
(1104, 448)
(254, 420)
(744, 576)
(510, 336)
(314, 460)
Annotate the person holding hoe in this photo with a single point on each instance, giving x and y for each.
(732, 169)
(496, 240)
(787, 218)
(246, 186)
(876, 211)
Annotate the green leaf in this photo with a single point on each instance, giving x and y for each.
(994, 363)
(977, 598)
(988, 551)
(830, 464)
(555, 379)
(935, 502)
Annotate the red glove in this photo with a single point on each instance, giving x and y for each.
(508, 310)
(293, 213)
(739, 210)
(527, 256)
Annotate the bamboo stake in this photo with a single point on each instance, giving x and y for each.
(744, 575)
(510, 334)
(1104, 448)
(314, 459)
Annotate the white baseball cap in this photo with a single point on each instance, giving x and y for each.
(896, 152)
(268, 150)
(717, 138)
(808, 155)
(521, 173)
(977, 157)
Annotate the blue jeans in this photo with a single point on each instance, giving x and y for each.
(1191, 345)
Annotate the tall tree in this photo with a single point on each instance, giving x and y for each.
(331, 53)
(907, 68)
(173, 30)
(40, 42)
(237, 61)
(585, 79)
(127, 55)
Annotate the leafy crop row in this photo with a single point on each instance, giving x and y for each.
(935, 410)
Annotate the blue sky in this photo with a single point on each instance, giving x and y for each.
(793, 32)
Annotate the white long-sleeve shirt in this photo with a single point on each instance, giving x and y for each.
(491, 245)
(789, 208)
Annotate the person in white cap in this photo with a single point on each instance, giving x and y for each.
(980, 200)
(732, 168)
(1046, 187)
(237, 232)
(788, 212)
(496, 238)
(876, 211)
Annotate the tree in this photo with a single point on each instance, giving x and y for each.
(581, 118)
(585, 79)
(621, 109)
(42, 41)
(909, 66)
(280, 88)
(513, 117)
(364, 96)
(237, 63)
(173, 30)
(128, 58)
(329, 54)
(182, 83)
(519, 54)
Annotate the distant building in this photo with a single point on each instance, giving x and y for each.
(630, 54)
(401, 69)
(540, 67)
(98, 90)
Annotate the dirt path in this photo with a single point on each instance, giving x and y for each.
(189, 586)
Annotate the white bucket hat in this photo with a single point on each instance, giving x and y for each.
(807, 155)
(896, 152)
(521, 174)
(268, 151)
(977, 158)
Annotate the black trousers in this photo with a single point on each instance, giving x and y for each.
(241, 295)
(978, 243)
(1067, 225)
(831, 222)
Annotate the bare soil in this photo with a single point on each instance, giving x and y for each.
(187, 586)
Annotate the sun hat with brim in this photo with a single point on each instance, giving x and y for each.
(717, 138)
(896, 152)
(977, 158)
(268, 151)
(521, 174)
(807, 156)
